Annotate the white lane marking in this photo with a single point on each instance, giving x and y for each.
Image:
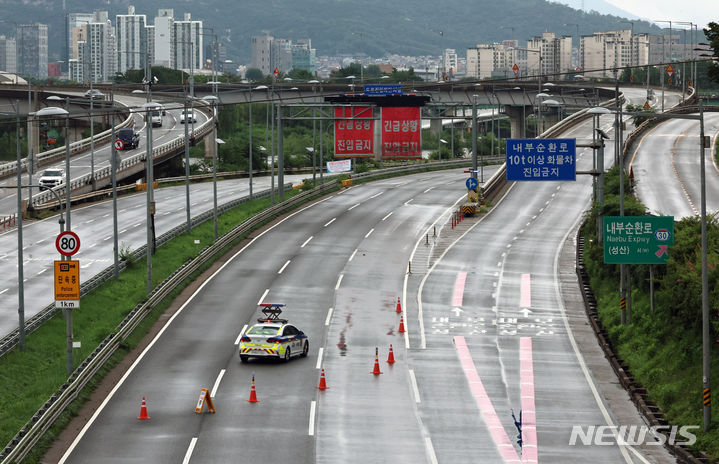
(3, 291)
(41, 271)
(41, 241)
(339, 281)
(149, 347)
(106, 215)
(188, 454)
(353, 254)
(307, 241)
(217, 383)
(263, 296)
(239, 337)
(415, 388)
(89, 221)
(573, 342)
(313, 405)
(353, 207)
(331, 221)
(319, 358)
(283, 267)
(390, 214)
(430, 450)
(369, 233)
(137, 225)
(376, 195)
(407, 202)
(123, 231)
(428, 190)
(93, 245)
(327, 321)
(107, 238)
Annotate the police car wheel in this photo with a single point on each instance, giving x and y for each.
(244, 358)
(288, 354)
(305, 350)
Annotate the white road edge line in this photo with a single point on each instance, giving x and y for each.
(339, 281)
(577, 352)
(188, 454)
(327, 320)
(430, 450)
(283, 267)
(217, 383)
(259, 302)
(307, 241)
(242, 332)
(313, 406)
(165, 327)
(319, 358)
(415, 387)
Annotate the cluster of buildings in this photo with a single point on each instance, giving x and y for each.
(270, 54)
(96, 48)
(596, 56)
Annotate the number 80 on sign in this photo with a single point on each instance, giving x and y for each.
(67, 243)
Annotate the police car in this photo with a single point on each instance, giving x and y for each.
(273, 337)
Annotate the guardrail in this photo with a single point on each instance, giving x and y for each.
(106, 172)
(8, 169)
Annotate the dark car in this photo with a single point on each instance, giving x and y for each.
(130, 138)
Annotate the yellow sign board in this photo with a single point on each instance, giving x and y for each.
(204, 398)
(67, 280)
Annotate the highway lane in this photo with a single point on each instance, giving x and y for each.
(494, 323)
(93, 224)
(348, 253)
(666, 166)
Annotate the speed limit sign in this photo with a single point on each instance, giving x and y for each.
(119, 144)
(67, 243)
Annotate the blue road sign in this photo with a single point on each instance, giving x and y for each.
(472, 183)
(383, 89)
(541, 159)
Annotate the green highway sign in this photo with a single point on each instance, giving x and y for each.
(637, 239)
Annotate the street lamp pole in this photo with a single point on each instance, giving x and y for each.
(20, 277)
(706, 348)
(249, 123)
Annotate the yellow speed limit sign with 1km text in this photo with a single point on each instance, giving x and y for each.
(67, 284)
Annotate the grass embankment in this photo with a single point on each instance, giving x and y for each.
(30, 377)
(663, 347)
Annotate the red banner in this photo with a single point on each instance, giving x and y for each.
(354, 137)
(401, 132)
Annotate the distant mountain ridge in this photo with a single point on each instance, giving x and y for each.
(373, 27)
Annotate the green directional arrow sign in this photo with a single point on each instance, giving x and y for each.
(637, 239)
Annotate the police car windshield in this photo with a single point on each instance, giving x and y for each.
(263, 330)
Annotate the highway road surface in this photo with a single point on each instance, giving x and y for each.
(666, 167)
(487, 334)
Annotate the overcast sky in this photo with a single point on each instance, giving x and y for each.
(697, 11)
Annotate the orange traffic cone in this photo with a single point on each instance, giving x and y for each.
(253, 393)
(390, 358)
(376, 370)
(401, 325)
(323, 383)
(143, 410)
(399, 307)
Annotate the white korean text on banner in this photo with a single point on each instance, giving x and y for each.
(354, 137)
(339, 166)
(401, 133)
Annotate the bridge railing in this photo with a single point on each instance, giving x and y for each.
(104, 173)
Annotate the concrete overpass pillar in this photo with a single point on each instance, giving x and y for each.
(517, 117)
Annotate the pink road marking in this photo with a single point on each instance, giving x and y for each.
(489, 415)
(459, 289)
(525, 300)
(529, 416)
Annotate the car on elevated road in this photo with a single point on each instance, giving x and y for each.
(273, 337)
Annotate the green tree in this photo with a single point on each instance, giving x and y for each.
(712, 35)
(254, 75)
